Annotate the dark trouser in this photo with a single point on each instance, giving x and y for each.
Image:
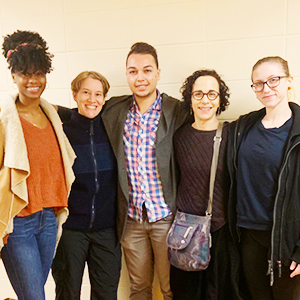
(255, 250)
(102, 252)
(212, 283)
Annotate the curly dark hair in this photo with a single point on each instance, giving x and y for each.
(143, 48)
(187, 88)
(27, 52)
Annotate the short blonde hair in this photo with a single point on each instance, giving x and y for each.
(77, 81)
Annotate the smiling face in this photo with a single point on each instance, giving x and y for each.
(142, 76)
(90, 98)
(30, 86)
(272, 97)
(205, 109)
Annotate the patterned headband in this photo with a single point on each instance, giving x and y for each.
(9, 52)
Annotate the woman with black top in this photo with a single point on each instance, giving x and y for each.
(206, 95)
(264, 205)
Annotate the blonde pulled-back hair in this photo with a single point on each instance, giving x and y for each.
(284, 64)
(77, 81)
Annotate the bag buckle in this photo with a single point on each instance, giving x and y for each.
(217, 137)
(208, 214)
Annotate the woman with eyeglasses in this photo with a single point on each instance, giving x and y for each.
(206, 96)
(264, 205)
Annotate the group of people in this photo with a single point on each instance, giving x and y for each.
(77, 184)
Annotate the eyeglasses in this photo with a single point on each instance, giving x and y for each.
(211, 95)
(271, 83)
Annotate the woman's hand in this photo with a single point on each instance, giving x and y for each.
(55, 106)
(295, 267)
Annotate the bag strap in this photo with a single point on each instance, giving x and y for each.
(213, 168)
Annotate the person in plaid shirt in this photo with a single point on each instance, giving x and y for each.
(140, 128)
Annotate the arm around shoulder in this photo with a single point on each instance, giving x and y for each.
(64, 113)
(114, 100)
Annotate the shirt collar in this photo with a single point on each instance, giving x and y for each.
(156, 105)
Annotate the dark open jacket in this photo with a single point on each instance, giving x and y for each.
(173, 115)
(285, 240)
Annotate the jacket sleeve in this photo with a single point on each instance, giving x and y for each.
(64, 113)
(183, 115)
(230, 146)
(296, 255)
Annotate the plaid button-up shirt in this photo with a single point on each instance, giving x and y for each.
(139, 139)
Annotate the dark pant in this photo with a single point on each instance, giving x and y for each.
(102, 252)
(28, 254)
(255, 250)
(210, 284)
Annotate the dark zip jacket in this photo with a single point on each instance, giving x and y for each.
(285, 239)
(93, 197)
(173, 115)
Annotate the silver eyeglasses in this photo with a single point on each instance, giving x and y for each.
(211, 95)
(271, 83)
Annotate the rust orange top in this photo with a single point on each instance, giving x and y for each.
(46, 183)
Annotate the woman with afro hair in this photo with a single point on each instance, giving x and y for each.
(35, 168)
(206, 96)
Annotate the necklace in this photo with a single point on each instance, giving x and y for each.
(25, 117)
(32, 113)
(37, 119)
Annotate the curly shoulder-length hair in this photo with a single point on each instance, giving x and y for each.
(187, 88)
(27, 52)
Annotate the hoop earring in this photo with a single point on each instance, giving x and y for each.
(14, 86)
(191, 111)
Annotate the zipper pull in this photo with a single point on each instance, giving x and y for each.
(187, 232)
(270, 272)
(271, 277)
(269, 267)
(279, 267)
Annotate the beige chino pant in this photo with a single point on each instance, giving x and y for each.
(144, 246)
